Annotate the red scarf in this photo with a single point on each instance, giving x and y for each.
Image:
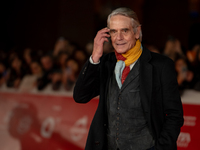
(126, 69)
(129, 57)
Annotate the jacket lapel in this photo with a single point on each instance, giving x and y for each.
(131, 76)
(145, 80)
(109, 65)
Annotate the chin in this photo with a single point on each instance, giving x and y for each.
(121, 51)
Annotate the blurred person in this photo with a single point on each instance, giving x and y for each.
(29, 82)
(72, 47)
(172, 48)
(153, 49)
(139, 104)
(3, 73)
(185, 77)
(36, 68)
(192, 56)
(56, 79)
(80, 56)
(16, 72)
(197, 69)
(194, 60)
(70, 75)
(47, 62)
(28, 56)
(89, 48)
(61, 60)
(57, 74)
(61, 45)
(65, 75)
(48, 68)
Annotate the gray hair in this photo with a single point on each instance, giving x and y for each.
(128, 13)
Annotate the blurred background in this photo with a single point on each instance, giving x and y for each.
(43, 46)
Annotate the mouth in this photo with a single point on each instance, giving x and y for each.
(120, 44)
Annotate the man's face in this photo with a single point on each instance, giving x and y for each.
(122, 36)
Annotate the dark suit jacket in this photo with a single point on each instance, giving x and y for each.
(158, 91)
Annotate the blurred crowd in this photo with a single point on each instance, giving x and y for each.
(58, 69)
(187, 63)
(36, 70)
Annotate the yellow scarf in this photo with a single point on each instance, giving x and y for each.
(133, 54)
(122, 67)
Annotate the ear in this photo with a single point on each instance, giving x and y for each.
(138, 32)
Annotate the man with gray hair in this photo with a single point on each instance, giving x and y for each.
(139, 102)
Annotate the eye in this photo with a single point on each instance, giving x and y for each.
(112, 31)
(125, 30)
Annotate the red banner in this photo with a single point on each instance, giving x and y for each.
(189, 136)
(40, 122)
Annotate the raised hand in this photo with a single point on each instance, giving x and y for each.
(100, 38)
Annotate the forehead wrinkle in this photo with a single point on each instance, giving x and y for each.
(119, 22)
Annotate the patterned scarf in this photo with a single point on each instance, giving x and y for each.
(124, 61)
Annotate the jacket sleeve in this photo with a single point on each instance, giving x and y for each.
(87, 84)
(173, 111)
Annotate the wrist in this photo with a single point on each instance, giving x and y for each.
(92, 62)
(95, 58)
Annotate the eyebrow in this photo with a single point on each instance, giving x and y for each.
(120, 29)
(113, 30)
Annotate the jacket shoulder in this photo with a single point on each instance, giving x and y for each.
(160, 59)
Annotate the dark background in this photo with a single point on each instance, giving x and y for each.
(38, 24)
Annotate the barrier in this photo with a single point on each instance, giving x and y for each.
(30, 122)
(54, 122)
(189, 136)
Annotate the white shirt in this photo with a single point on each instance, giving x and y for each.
(91, 61)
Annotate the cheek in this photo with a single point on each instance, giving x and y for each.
(112, 40)
(131, 41)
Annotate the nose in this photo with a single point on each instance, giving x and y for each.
(119, 36)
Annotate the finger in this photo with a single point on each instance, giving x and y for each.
(104, 40)
(104, 30)
(105, 35)
(99, 37)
